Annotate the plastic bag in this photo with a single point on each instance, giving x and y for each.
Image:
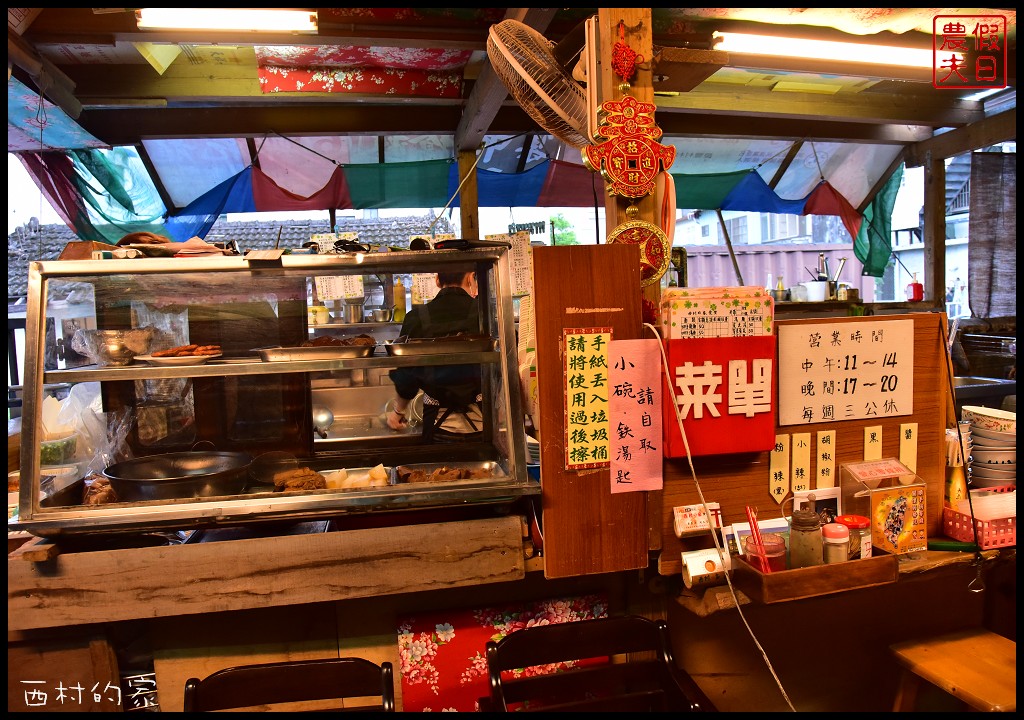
(101, 435)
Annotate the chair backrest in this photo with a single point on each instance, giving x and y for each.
(289, 682)
(640, 674)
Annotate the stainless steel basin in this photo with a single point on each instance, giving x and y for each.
(983, 391)
(973, 381)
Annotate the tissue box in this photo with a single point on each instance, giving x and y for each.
(893, 497)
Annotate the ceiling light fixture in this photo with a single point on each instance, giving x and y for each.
(249, 19)
(822, 50)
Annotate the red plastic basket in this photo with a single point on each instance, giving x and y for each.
(998, 533)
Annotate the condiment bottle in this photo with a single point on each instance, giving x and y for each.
(836, 542)
(805, 537)
(400, 308)
(860, 535)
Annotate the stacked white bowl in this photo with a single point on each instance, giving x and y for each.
(993, 452)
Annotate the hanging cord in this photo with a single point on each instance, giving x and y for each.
(817, 162)
(978, 583)
(42, 121)
(479, 157)
(707, 512)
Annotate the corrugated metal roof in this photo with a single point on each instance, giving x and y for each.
(712, 266)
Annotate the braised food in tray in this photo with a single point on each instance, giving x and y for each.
(363, 340)
(462, 342)
(302, 478)
(325, 347)
(444, 473)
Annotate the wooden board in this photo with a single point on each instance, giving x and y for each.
(587, 529)
(106, 586)
(813, 581)
(736, 481)
(199, 645)
(36, 669)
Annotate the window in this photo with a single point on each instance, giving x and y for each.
(737, 229)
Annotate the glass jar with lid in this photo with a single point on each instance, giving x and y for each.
(860, 535)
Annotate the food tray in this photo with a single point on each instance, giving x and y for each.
(998, 533)
(326, 352)
(439, 346)
(495, 470)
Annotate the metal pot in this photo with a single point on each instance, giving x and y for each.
(353, 311)
(180, 475)
(384, 314)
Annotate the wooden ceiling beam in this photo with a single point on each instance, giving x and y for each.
(129, 126)
(768, 128)
(867, 107)
(489, 92)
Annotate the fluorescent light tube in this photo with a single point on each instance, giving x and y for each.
(256, 20)
(823, 50)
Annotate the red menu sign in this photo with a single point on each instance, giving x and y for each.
(723, 389)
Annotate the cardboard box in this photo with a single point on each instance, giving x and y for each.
(893, 497)
(82, 250)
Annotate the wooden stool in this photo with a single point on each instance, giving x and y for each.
(977, 666)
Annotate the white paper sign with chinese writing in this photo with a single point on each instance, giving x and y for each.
(520, 260)
(634, 409)
(339, 287)
(830, 372)
(424, 288)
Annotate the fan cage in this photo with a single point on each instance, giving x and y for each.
(524, 61)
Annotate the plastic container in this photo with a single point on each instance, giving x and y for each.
(860, 535)
(998, 533)
(805, 538)
(835, 538)
(774, 551)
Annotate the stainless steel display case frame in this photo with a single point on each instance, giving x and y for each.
(507, 421)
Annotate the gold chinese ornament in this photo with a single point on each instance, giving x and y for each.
(655, 248)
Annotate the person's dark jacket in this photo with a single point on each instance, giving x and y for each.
(452, 310)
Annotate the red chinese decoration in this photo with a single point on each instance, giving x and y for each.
(624, 58)
(631, 158)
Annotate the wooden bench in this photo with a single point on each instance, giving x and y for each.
(976, 666)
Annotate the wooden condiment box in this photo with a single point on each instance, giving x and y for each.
(808, 582)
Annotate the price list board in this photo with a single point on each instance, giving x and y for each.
(830, 372)
(341, 287)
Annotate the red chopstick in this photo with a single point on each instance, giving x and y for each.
(755, 532)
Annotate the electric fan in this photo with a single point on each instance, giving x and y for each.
(527, 65)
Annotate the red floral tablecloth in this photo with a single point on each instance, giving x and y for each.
(443, 656)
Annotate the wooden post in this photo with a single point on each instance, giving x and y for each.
(639, 37)
(469, 209)
(934, 231)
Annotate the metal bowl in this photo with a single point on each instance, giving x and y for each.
(113, 347)
(180, 475)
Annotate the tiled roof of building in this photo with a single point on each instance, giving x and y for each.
(45, 242)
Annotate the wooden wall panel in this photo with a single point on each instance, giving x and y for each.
(587, 529)
(739, 480)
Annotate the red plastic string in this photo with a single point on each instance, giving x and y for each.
(624, 58)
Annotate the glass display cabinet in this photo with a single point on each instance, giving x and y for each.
(202, 395)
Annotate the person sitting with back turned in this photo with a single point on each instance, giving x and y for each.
(451, 394)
